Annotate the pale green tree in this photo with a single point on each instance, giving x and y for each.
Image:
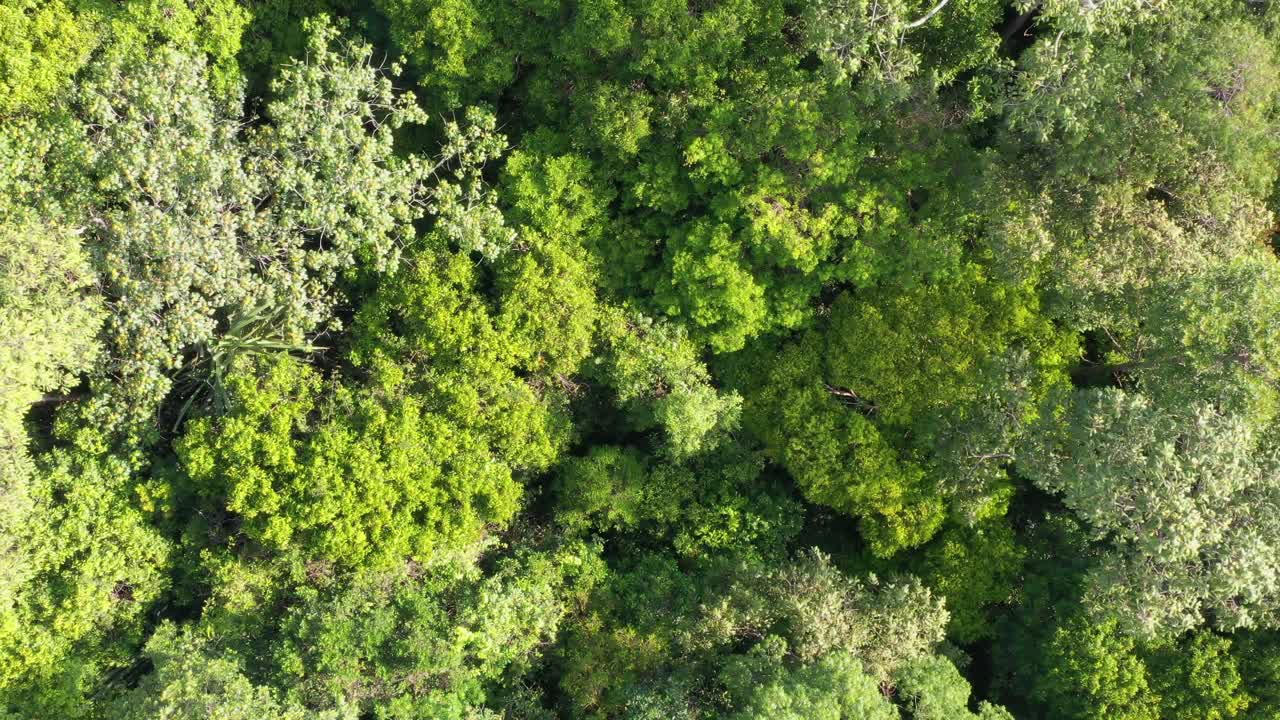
(835, 687)
(1181, 500)
(194, 220)
(50, 314)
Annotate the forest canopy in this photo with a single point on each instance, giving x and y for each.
(639, 359)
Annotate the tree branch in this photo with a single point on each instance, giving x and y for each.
(927, 16)
(852, 398)
(1020, 23)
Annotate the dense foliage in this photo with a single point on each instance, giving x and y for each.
(639, 359)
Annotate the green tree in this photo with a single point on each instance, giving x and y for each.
(1198, 678)
(44, 44)
(1179, 500)
(1138, 134)
(1093, 672)
(547, 285)
(1258, 659)
(977, 569)
(430, 331)
(354, 477)
(428, 639)
(717, 503)
(653, 632)
(657, 376)
(931, 688)
(837, 455)
(191, 219)
(89, 568)
(192, 680)
(856, 411)
(49, 315)
(761, 684)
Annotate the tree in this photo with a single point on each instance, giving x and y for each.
(657, 376)
(462, 44)
(1150, 151)
(44, 44)
(50, 318)
(1093, 673)
(977, 569)
(1178, 498)
(193, 680)
(868, 40)
(547, 286)
(714, 504)
(1212, 336)
(191, 220)
(837, 454)
(760, 683)
(430, 331)
(1096, 671)
(1199, 678)
(625, 654)
(931, 688)
(439, 638)
(90, 568)
(1257, 656)
(941, 376)
(356, 477)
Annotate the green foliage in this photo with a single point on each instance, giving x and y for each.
(1094, 673)
(835, 687)
(355, 477)
(1199, 678)
(455, 42)
(192, 219)
(1195, 83)
(838, 457)
(548, 287)
(976, 569)
(1214, 336)
(955, 367)
(931, 688)
(429, 331)
(656, 375)
(1167, 174)
(1257, 656)
(44, 44)
(90, 566)
(832, 688)
(49, 317)
(910, 353)
(639, 359)
(193, 680)
(210, 27)
(426, 640)
(625, 648)
(717, 504)
(1180, 500)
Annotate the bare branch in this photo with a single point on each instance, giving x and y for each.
(927, 16)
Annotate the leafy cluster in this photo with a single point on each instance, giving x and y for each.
(639, 359)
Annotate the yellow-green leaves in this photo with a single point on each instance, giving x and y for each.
(358, 477)
(42, 44)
